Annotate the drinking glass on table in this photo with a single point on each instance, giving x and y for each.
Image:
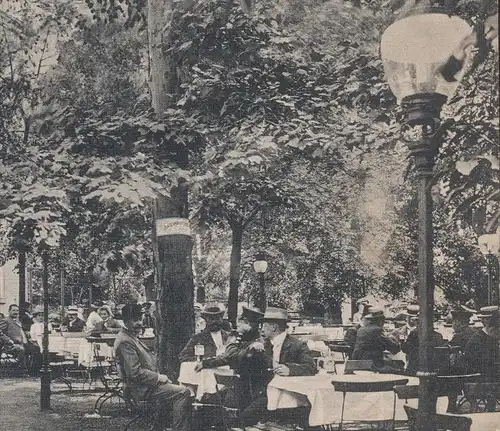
(199, 351)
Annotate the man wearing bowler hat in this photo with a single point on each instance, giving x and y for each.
(213, 338)
(278, 354)
(371, 341)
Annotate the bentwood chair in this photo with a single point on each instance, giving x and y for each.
(453, 386)
(358, 365)
(228, 397)
(444, 422)
(364, 386)
(482, 397)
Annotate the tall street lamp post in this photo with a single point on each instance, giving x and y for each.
(45, 371)
(489, 245)
(260, 266)
(413, 51)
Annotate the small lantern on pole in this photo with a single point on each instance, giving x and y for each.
(260, 267)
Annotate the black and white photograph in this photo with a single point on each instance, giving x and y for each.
(249, 215)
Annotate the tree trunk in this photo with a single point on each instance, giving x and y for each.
(175, 302)
(21, 259)
(175, 310)
(159, 17)
(234, 272)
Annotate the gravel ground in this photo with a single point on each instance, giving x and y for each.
(20, 408)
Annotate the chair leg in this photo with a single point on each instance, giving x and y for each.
(342, 413)
(394, 414)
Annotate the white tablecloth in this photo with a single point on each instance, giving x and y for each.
(326, 404)
(201, 382)
(86, 351)
(485, 421)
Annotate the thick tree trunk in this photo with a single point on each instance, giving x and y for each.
(175, 311)
(159, 17)
(175, 299)
(234, 272)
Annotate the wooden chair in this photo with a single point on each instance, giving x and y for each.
(344, 349)
(382, 386)
(453, 386)
(444, 422)
(229, 399)
(482, 397)
(358, 365)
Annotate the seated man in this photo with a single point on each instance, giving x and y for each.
(372, 342)
(212, 338)
(140, 374)
(481, 353)
(411, 348)
(278, 354)
(73, 323)
(411, 317)
(13, 340)
(462, 332)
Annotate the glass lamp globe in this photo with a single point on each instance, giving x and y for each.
(414, 49)
(260, 266)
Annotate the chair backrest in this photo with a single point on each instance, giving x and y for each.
(444, 422)
(406, 392)
(358, 365)
(481, 390)
(367, 386)
(226, 379)
(455, 384)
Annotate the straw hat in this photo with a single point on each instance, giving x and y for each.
(212, 310)
(275, 313)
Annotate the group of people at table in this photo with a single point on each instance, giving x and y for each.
(21, 334)
(479, 346)
(262, 347)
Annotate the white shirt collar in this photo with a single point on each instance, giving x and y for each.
(217, 337)
(279, 339)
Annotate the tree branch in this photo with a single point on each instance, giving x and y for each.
(251, 216)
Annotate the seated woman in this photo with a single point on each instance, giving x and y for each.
(108, 324)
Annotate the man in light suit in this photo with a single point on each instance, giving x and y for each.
(280, 354)
(213, 338)
(13, 340)
(140, 374)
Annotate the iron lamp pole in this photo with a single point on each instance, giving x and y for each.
(489, 244)
(260, 267)
(414, 50)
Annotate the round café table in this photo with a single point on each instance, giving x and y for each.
(325, 402)
(200, 382)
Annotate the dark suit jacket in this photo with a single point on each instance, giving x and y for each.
(410, 347)
(77, 326)
(11, 330)
(137, 364)
(205, 339)
(371, 342)
(482, 355)
(296, 355)
(462, 338)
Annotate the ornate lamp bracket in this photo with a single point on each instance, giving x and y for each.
(421, 129)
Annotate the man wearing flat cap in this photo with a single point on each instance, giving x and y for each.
(411, 346)
(482, 353)
(213, 338)
(279, 354)
(371, 341)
